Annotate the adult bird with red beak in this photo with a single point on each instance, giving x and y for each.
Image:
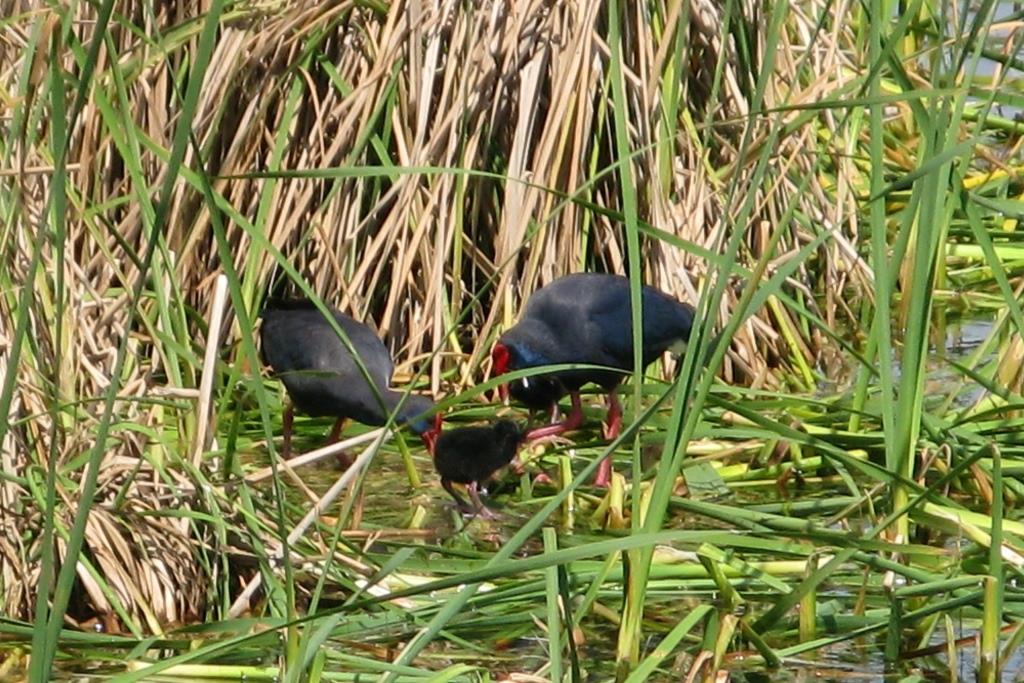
(586, 318)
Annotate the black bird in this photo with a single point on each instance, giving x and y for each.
(322, 376)
(470, 455)
(587, 318)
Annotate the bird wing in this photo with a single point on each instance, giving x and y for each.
(665, 321)
(333, 355)
(587, 318)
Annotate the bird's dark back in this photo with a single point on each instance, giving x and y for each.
(315, 365)
(587, 317)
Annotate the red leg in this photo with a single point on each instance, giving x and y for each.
(612, 429)
(575, 418)
(613, 423)
(336, 431)
(573, 421)
(343, 458)
(286, 427)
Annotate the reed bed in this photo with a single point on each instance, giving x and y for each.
(831, 184)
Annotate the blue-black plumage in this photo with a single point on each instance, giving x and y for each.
(471, 455)
(587, 318)
(322, 376)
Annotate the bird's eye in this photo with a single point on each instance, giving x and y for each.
(526, 382)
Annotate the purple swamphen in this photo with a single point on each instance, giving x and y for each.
(586, 318)
(323, 378)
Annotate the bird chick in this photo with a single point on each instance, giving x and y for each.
(470, 455)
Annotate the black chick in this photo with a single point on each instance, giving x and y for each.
(470, 455)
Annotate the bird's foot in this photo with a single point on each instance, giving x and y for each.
(543, 478)
(472, 511)
(469, 513)
(485, 513)
(571, 423)
(555, 439)
(344, 460)
(611, 430)
(481, 509)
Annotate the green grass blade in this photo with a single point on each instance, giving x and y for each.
(42, 662)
